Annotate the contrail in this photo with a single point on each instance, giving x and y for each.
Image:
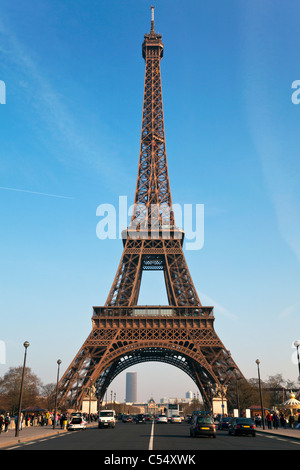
(34, 192)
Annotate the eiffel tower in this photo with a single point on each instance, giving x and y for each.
(123, 334)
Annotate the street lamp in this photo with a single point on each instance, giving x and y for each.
(297, 344)
(90, 399)
(55, 409)
(232, 369)
(222, 391)
(26, 345)
(261, 400)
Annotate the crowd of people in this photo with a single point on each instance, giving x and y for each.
(40, 419)
(275, 420)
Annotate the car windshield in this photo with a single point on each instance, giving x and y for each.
(76, 421)
(244, 421)
(204, 421)
(106, 413)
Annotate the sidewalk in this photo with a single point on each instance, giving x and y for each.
(30, 433)
(280, 432)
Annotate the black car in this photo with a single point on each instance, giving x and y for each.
(203, 426)
(224, 423)
(140, 419)
(242, 426)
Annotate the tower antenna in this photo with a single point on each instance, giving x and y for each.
(152, 19)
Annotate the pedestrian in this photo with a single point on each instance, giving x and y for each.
(269, 421)
(275, 421)
(282, 420)
(291, 421)
(256, 420)
(1, 422)
(7, 421)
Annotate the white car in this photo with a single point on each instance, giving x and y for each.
(77, 423)
(162, 419)
(176, 419)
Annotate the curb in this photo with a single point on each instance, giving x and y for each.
(19, 440)
(275, 434)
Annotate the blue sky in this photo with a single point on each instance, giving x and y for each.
(70, 132)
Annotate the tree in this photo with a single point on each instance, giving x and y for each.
(10, 389)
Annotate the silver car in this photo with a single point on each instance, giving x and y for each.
(77, 423)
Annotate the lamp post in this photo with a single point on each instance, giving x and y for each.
(222, 395)
(26, 345)
(297, 344)
(261, 400)
(232, 369)
(90, 399)
(55, 408)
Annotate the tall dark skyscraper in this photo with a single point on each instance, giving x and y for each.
(131, 387)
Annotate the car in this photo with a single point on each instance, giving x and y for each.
(176, 419)
(161, 419)
(240, 426)
(76, 423)
(224, 423)
(203, 426)
(107, 419)
(140, 419)
(127, 419)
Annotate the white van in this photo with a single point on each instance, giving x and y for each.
(107, 419)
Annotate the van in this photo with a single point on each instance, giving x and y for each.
(107, 419)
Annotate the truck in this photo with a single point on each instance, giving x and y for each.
(172, 410)
(107, 419)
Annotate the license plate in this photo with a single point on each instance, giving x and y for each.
(205, 428)
(246, 426)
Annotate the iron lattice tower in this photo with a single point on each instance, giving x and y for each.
(123, 334)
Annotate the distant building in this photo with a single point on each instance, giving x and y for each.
(131, 387)
(189, 395)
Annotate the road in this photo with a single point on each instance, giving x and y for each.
(152, 439)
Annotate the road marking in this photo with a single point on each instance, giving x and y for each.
(151, 437)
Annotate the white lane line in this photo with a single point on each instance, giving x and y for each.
(151, 437)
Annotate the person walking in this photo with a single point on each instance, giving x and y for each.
(1, 423)
(269, 421)
(7, 421)
(282, 420)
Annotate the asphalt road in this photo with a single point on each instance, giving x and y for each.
(173, 439)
